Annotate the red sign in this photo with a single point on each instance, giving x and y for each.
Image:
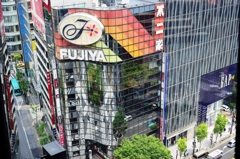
(37, 16)
(9, 102)
(50, 96)
(56, 83)
(61, 138)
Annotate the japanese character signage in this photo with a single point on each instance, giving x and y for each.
(50, 96)
(159, 26)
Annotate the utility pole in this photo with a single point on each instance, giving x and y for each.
(194, 142)
(233, 116)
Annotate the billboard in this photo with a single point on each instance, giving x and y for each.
(159, 26)
(121, 25)
(215, 86)
(38, 18)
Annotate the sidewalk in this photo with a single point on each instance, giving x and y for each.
(206, 144)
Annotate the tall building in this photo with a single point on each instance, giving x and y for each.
(152, 61)
(6, 92)
(11, 26)
(201, 45)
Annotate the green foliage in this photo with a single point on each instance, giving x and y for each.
(17, 57)
(141, 147)
(44, 138)
(220, 124)
(24, 84)
(135, 73)
(96, 98)
(41, 128)
(232, 106)
(95, 88)
(119, 124)
(153, 127)
(201, 132)
(182, 145)
(19, 75)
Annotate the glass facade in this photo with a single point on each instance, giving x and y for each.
(103, 102)
(200, 37)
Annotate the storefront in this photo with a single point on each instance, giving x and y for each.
(173, 140)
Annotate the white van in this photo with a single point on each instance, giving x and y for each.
(215, 154)
(202, 154)
(225, 108)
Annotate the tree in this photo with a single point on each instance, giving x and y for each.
(141, 147)
(19, 75)
(201, 133)
(220, 124)
(119, 124)
(232, 106)
(182, 145)
(17, 56)
(24, 84)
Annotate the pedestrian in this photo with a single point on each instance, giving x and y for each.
(224, 129)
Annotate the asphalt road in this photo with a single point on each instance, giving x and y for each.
(29, 146)
(228, 153)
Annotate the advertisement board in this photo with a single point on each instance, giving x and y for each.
(215, 86)
(159, 26)
(163, 96)
(50, 96)
(61, 132)
(121, 25)
(37, 17)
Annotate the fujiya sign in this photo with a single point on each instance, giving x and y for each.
(81, 29)
(82, 54)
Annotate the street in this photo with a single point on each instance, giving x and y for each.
(228, 153)
(29, 146)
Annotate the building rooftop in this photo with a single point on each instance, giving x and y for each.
(53, 148)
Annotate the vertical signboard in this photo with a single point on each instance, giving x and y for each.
(163, 96)
(61, 138)
(56, 87)
(38, 18)
(159, 26)
(9, 102)
(50, 96)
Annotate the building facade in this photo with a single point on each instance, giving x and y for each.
(149, 61)
(11, 26)
(200, 37)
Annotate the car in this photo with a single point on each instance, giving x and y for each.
(128, 117)
(225, 108)
(219, 151)
(154, 105)
(151, 123)
(20, 64)
(231, 143)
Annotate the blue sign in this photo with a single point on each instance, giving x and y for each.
(215, 86)
(25, 34)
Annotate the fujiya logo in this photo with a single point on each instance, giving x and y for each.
(81, 29)
(82, 54)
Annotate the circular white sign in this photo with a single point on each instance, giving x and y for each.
(81, 29)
